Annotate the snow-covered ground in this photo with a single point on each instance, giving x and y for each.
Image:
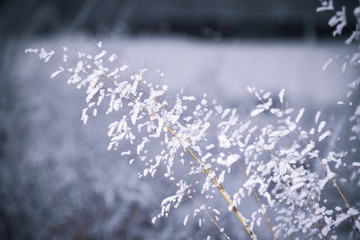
(65, 183)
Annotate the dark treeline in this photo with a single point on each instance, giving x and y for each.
(209, 19)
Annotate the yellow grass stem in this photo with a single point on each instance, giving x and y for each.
(246, 176)
(221, 189)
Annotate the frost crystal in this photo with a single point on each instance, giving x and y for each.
(186, 219)
(321, 126)
(282, 95)
(31, 50)
(326, 6)
(339, 20)
(46, 55)
(299, 116)
(324, 135)
(356, 164)
(326, 65)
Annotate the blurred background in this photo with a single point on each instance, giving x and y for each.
(213, 19)
(57, 181)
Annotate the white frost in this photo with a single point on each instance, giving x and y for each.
(100, 55)
(125, 153)
(46, 55)
(299, 116)
(186, 219)
(356, 164)
(326, 6)
(282, 95)
(321, 126)
(54, 74)
(256, 112)
(113, 57)
(31, 50)
(324, 135)
(357, 224)
(188, 98)
(317, 116)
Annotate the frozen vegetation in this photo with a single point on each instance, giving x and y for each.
(202, 153)
(183, 139)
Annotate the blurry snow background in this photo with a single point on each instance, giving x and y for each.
(58, 181)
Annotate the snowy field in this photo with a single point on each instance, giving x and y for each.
(59, 180)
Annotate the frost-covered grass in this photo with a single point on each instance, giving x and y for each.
(248, 164)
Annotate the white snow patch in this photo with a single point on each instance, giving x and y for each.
(324, 135)
(317, 116)
(299, 116)
(282, 95)
(186, 219)
(188, 98)
(356, 164)
(31, 50)
(256, 112)
(321, 126)
(100, 55)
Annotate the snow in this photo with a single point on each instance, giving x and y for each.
(188, 98)
(217, 212)
(84, 116)
(237, 58)
(100, 55)
(282, 95)
(353, 212)
(56, 73)
(324, 135)
(277, 112)
(124, 67)
(321, 126)
(357, 224)
(299, 116)
(356, 164)
(186, 219)
(79, 67)
(308, 148)
(43, 54)
(266, 95)
(256, 112)
(113, 57)
(317, 116)
(231, 159)
(326, 6)
(94, 112)
(31, 50)
(126, 153)
(209, 146)
(225, 113)
(338, 20)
